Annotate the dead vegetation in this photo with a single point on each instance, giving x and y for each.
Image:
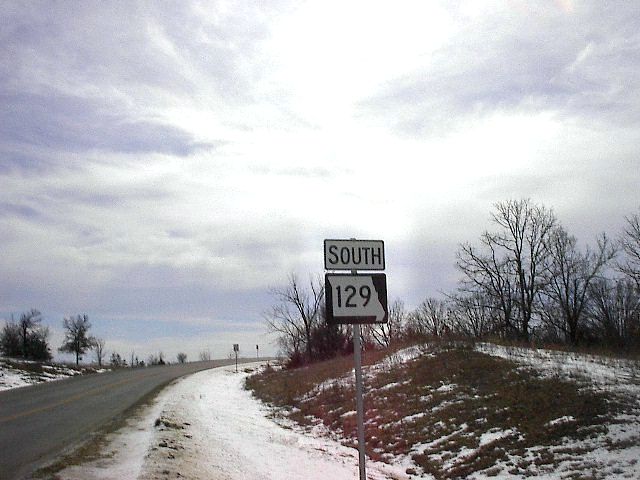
(453, 411)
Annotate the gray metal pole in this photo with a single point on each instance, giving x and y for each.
(357, 349)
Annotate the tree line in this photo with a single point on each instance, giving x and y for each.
(526, 278)
(27, 338)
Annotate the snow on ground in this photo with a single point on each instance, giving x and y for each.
(368, 372)
(207, 426)
(610, 373)
(11, 376)
(612, 455)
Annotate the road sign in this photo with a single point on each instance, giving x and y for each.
(354, 255)
(356, 298)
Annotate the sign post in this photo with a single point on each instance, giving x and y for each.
(357, 357)
(356, 299)
(236, 349)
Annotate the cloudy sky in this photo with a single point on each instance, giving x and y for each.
(163, 164)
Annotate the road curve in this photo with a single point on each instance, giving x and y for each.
(41, 422)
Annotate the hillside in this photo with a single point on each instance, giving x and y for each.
(21, 373)
(460, 411)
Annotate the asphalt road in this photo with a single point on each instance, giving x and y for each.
(42, 422)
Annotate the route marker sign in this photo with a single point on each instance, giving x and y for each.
(354, 255)
(356, 299)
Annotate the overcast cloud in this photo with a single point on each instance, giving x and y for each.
(164, 164)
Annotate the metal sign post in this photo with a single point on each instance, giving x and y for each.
(236, 349)
(356, 299)
(357, 355)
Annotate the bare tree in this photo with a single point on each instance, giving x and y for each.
(630, 243)
(76, 340)
(432, 317)
(491, 276)
(29, 321)
(205, 356)
(182, 357)
(117, 360)
(295, 314)
(98, 350)
(513, 268)
(526, 229)
(571, 274)
(156, 359)
(615, 310)
(473, 314)
(384, 334)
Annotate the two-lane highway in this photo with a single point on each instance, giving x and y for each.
(39, 423)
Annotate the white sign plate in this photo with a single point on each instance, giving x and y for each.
(354, 255)
(356, 298)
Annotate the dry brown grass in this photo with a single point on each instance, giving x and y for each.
(445, 402)
(281, 388)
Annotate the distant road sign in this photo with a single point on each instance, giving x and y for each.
(354, 255)
(236, 347)
(356, 298)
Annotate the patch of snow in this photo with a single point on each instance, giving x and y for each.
(446, 388)
(603, 371)
(12, 376)
(400, 357)
(560, 421)
(415, 416)
(611, 455)
(496, 434)
(389, 386)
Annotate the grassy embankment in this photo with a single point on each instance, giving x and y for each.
(452, 410)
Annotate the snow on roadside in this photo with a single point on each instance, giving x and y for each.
(13, 377)
(208, 426)
(10, 378)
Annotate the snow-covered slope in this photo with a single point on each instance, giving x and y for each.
(21, 373)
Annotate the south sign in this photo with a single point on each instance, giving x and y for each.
(354, 255)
